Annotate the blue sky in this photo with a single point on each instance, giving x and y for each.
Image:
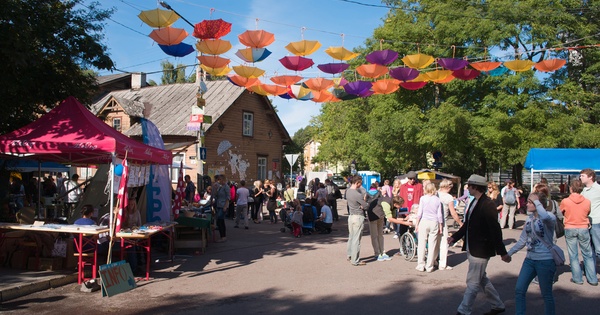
(325, 20)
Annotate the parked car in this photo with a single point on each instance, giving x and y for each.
(339, 181)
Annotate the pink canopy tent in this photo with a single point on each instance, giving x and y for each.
(71, 134)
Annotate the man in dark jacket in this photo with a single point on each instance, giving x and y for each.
(483, 239)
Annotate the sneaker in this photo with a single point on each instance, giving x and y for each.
(380, 258)
(385, 257)
(420, 268)
(396, 236)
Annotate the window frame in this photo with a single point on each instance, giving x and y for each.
(247, 124)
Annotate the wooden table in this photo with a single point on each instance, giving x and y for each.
(202, 224)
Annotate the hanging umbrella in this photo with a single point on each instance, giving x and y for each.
(214, 61)
(257, 89)
(218, 72)
(242, 81)
(486, 66)
(213, 46)
(318, 84)
(273, 89)
(179, 50)
(382, 57)
(256, 38)
(444, 80)
(437, 75)
(452, 63)
(498, 71)
(417, 61)
(248, 72)
(285, 96)
(550, 65)
(422, 77)
(286, 80)
(323, 96)
(340, 53)
(519, 65)
(158, 18)
(466, 74)
(341, 94)
(360, 88)
(339, 82)
(296, 63)
(413, 85)
(385, 86)
(333, 68)
(303, 47)
(404, 73)
(372, 70)
(169, 35)
(253, 54)
(211, 29)
(300, 92)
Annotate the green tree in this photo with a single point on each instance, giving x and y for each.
(172, 74)
(45, 46)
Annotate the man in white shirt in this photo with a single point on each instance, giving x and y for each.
(325, 221)
(241, 208)
(591, 191)
(73, 194)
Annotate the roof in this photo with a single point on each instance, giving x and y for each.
(105, 79)
(562, 160)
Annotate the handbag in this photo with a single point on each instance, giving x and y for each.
(60, 248)
(557, 253)
(250, 200)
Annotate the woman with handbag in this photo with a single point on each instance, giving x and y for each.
(537, 235)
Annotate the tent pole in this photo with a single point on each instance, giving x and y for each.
(39, 199)
(111, 176)
(531, 179)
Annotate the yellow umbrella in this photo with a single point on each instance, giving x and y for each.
(258, 89)
(437, 75)
(158, 18)
(422, 77)
(372, 70)
(217, 72)
(340, 53)
(303, 47)
(519, 65)
(213, 46)
(447, 79)
(248, 72)
(417, 61)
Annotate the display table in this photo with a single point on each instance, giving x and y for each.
(194, 227)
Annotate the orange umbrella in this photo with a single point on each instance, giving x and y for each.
(486, 65)
(519, 65)
(213, 46)
(550, 65)
(256, 38)
(417, 61)
(214, 61)
(158, 18)
(372, 70)
(340, 53)
(257, 89)
(386, 86)
(323, 96)
(273, 89)
(169, 35)
(446, 79)
(437, 75)
(248, 72)
(303, 47)
(241, 81)
(218, 72)
(318, 84)
(286, 80)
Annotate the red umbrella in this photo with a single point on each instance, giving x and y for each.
(211, 29)
(466, 74)
(413, 85)
(296, 63)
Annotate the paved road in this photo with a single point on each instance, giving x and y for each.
(264, 271)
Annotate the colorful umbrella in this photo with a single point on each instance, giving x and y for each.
(486, 66)
(417, 61)
(303, 47)
(446, 79)
(323, 96)
(285, 96)
(257, 89)
(211, 29)
(169, 35)
(218, 72)
(248, 72)
(179, 50)
(413, 85)
(466, 74)
(550, 65)
(339, 82)
(360, 88)
(300, 92)
(404, 73)
(158, 18)
(341, 94)
(213, 46)
(437, 75)
(372, 70)
(253, 54)
(256, 38)
(340, 53)
(333, 68)
(498, 71)
(386, 86)
(214, 61)
(273, 89)
(318, 84)
(242, 81)
(519, 65)
(422, 77)
(286, 80)
(452, 63)
(382, 57)
(296, 63)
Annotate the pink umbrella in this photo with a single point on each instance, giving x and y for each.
(296, 63)
(333, 68)
(382, 57)
(452, 63)
(404, 73)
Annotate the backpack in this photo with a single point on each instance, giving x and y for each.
(307, 213)
(510, 197)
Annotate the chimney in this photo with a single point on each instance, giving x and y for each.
(138, 80)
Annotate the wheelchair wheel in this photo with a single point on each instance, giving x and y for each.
(408, 246)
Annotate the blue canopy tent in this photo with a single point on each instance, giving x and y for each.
(25, 166)
(545, 160)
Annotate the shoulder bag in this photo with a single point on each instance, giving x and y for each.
(557, 253)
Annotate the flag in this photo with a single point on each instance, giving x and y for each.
(122, 196)
(179, 193)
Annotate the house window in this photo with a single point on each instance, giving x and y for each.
(262, 168)
(248, 124)
(116, 123)
(175, 169)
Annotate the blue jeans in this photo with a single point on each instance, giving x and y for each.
(544, 270)
(581, 237)
(595, 234)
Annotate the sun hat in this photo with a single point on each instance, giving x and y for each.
(477, 180)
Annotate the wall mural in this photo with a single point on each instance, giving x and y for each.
(237, 163)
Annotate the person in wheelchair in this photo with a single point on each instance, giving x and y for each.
(394, 215)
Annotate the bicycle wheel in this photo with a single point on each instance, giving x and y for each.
(408, 246)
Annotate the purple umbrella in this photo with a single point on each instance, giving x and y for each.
(296, 63)
(358, 88)
(452, 63)
(382, 57)
(333, 68)
(179, 50)
(404, 74)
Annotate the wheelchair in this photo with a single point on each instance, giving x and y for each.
(408, 244)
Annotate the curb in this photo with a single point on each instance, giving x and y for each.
(26, 289)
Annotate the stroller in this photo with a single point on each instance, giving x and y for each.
(285, 214)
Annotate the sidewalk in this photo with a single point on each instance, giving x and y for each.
(16, 283)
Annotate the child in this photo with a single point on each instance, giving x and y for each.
(297, 218)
